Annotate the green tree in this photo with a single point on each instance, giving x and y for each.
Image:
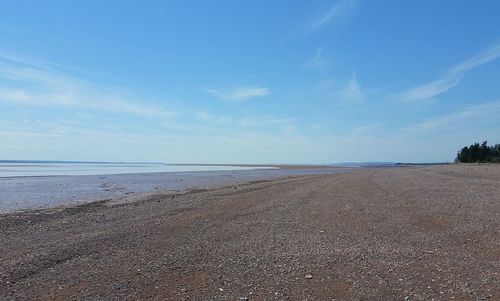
(479, 153)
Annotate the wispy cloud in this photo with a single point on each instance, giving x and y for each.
(343, 92)
(451, 78)
(317, 62)
(265, 121)
(353, 92)
(207, 117)
(324, 17)
(30, 83)
(239, 94)
(481, 112)
(246, 122)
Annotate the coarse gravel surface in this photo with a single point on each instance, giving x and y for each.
(409, 233)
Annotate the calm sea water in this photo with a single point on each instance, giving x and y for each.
(37, 168)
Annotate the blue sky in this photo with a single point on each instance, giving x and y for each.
(248, 81)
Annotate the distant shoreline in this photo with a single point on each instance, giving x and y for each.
(31, 192)
(75, 162)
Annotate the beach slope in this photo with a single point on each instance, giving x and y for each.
(413, 233)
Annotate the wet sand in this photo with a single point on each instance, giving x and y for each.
(412, 233)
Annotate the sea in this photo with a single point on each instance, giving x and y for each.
(27, 168)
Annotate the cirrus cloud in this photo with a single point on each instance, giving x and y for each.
(451, 78)
(30, 83)
(239, 94)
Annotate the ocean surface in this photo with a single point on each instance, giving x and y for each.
(57, 168)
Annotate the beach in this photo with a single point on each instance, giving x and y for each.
(395, 233)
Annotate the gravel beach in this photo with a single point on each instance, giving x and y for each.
(406, 233)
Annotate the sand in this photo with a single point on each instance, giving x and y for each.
(414, 233)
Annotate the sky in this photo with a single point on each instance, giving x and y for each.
(261, 81)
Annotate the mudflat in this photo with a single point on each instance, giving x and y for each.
(409, 233)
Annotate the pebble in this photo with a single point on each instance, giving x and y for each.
(309, 276)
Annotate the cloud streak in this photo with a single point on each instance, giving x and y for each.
(482, 112)
(209, 118)
(317, 62)
(335, 10)
(345, 92)
(451, 78)
(324, 18)
(26, 83)
(353, 92)
(239, 94)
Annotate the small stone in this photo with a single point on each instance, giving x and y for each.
(221, 289)
(309, 276)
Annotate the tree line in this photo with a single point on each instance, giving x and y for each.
(479, 153)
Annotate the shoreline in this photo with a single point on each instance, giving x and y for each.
(35, 192)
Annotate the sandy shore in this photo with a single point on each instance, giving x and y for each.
(412, 233)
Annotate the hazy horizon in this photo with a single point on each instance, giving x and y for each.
(7, 161)
(259, 82)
